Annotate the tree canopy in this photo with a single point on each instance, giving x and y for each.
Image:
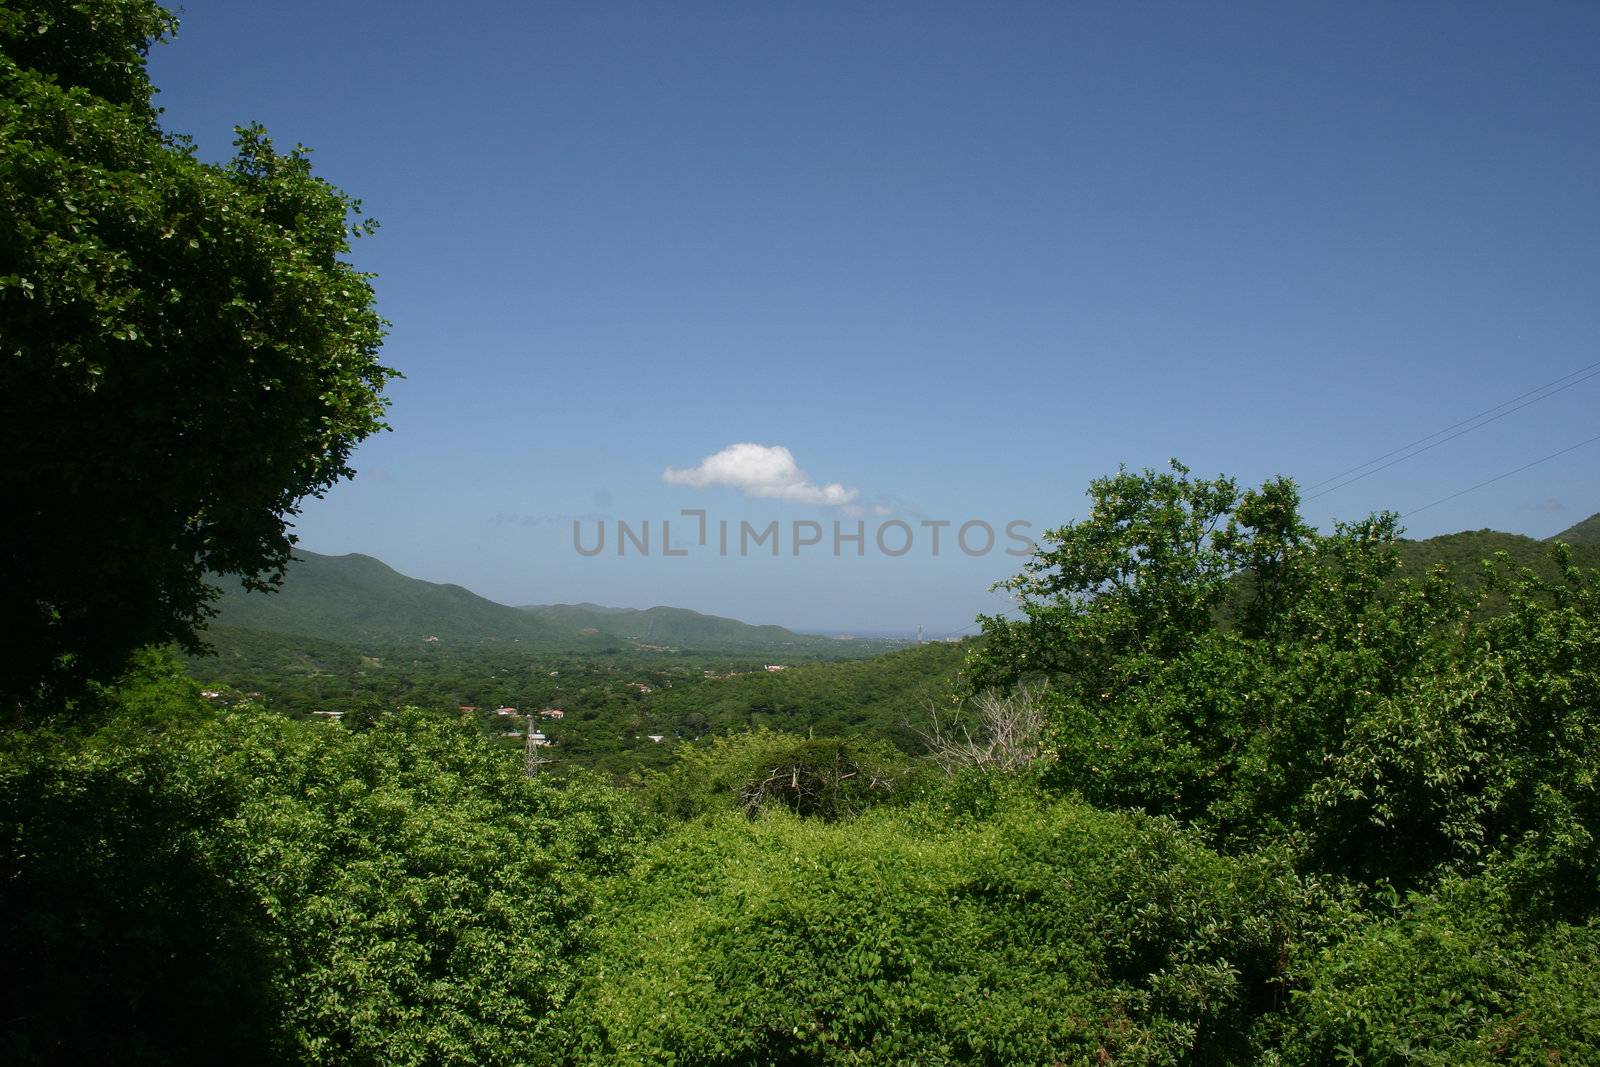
(185, 351)
(1214, 659)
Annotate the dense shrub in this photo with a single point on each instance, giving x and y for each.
(828, 777)
(1452, 978)
(248, 888)
(1045, 932)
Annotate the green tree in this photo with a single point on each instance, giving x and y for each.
(1214, 659)
(1160, 561)
(185, 353)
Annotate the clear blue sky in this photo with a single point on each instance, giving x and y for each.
(957, 258)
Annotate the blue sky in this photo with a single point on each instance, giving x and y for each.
(956, 258)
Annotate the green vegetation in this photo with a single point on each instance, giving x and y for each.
(184, 351)
(357, 600)
(829, 778)
(1586, 532)
(1231, 791)
(612, 703)
(183, 885)
(1251, 795)
(1043, 932)
(1357, 714)
(1463, 555)
(664, 629)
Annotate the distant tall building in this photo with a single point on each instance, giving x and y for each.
(919, 633)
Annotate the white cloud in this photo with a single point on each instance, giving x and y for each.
(760, 471)
(856, 511)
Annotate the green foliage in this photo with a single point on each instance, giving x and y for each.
(1140, 577)
(827, 777)
(184, 351)
(1367, 774)
(1450, 979)
(1226, 665)
(1544, 770)
(1585, 534)
(1044, 933)
(884, 697)
(1462, 556)
(129, 935)
(608, 716)
(99, 47)
(247, 887)
(356, 599)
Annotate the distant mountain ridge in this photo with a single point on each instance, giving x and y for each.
(1462, 555)
(669, 626)
(1586, 532)
(356, 599)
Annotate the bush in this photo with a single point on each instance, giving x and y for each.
(257, 889)
(1046, 933)
(1450, 979)
(826, 777)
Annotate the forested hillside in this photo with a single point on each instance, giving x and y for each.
(1586, 532)
(678, 628)
(1463, 554)
(360, 601)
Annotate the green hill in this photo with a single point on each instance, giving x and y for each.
(356, 599)
(675, 627)
(1586, 532)
(360, 601)
(1462, 553)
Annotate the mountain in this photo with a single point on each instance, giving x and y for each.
(673, 627)
(359, 600)
(1463, 553)
(1586, 532)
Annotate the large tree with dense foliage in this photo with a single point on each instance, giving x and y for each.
(1214, 659)
(185, 352)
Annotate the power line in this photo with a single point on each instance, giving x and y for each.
(1463, 422)
(1499, 477)
(1010, 602)
(1462, 427)
(1465, 426)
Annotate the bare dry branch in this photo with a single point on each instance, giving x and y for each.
(1010, 731)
